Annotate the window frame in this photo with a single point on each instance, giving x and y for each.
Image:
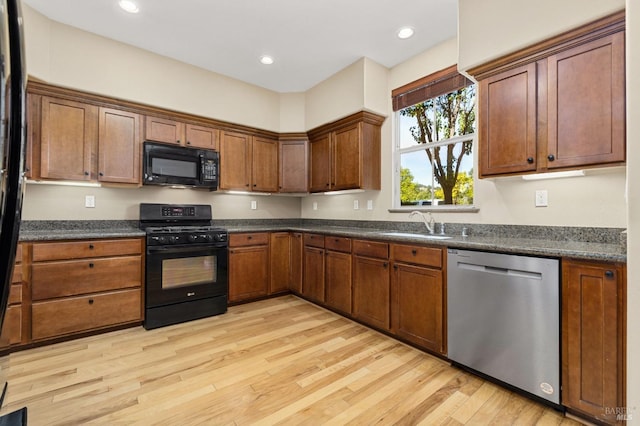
(437, 84)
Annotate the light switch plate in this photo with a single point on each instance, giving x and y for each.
(315, 205)
(542, 198)
(369, 204)
(356, 204)
(90, 201)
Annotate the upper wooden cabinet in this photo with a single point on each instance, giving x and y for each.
(118, 146)
(248, 163)
(292, 166)
(556, 105)
(346, 154)
(165, 130)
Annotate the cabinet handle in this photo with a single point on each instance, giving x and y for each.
(414, 252)
(100, 174)
(395, 267)
(188, 142)
(91, 265)
(530, 160)
(385, 264)
(608, 274)
(255, 184)
(90, 246)
(246, 184)
(551, 157)
(91, 301)
(86, 173)
(178, 141)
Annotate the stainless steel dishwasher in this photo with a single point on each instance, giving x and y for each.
(503, 318)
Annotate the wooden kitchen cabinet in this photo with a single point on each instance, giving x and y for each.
(293, 170)
(417, 296)
(556, 105)
(280, 262)
(346, 154)
(297, 255)
(68, 139)
(337, 279)
(85, 285)
(119, 143)
(176, 132)
(12, 333)
(371, 283)
(248, 163)
(593, 338)
(248, 266)
(314, 267)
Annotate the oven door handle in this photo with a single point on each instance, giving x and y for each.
(182, 249)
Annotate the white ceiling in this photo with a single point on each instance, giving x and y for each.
(309, 40)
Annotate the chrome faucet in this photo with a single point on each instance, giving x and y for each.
(430, 224)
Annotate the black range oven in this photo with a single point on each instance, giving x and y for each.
(186, 264)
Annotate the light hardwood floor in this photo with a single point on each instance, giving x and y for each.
(277, 361)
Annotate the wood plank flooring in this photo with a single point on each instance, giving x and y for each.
(278, 361)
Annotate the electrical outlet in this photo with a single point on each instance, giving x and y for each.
(315, 205)
(356, 204)
(90, 201)
(542, 198)
(369, 204)
(254, 205)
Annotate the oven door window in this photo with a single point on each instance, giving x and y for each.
(188, 271)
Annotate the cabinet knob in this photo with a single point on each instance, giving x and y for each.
(530, 160)
(395, 267)
(385, 264)
(255, 184)
(249, 237)
(100, 174)
(178, 141)
(86, 173)
(188, 142)
(608, 274)
(90, 246)
(414, 252)
(91, 265)
(551, 157)
(246, 184)
(91, 301)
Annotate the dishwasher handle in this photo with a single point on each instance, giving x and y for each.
(500, 271)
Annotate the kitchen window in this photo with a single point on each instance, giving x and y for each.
(435, 131)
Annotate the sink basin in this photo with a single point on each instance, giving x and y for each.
(412, 235)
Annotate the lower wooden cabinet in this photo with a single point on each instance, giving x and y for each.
(248, 266)
(280, 262)
(313, 281)
(297, 251)
(84, 285)
(337, 278)
(12, 333)
(593, 338)
(371, 286)
(417, 296)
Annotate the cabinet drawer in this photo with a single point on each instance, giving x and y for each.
(12, 327)
(15, 294)
(338, 244)
(314, 240)
(81, 249)
(19, 253)
(248, 239)
(74, 277)
(16, 276)
(428, 256)
(64, 316)
(371, 249)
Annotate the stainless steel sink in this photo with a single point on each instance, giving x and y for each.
(412, 235)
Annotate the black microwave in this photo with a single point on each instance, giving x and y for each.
(180, 166)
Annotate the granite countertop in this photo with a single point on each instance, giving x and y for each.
(584, 243)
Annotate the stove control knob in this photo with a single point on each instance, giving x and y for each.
(221, 237)
(174, 239)
(207, 237)
(193, 238)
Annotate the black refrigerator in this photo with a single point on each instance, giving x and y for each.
(12, 159)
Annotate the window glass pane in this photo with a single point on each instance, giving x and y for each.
(453, 173)
(413, 122)
(416, 179)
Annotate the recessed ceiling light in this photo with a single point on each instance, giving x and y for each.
(405, 32)
(129, 6)
(266, 60)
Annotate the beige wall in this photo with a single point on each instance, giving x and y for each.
(633, 212)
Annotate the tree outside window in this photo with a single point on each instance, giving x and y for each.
(435, 149)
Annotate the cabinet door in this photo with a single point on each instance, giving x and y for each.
(371, 291)
(164, 130)
(293, 166)
(313, 282)
(11, 327)
(417, 305)
(320, 164)
(337, 280)
(248, 272)
(592, 338)
(235, 161)
(586, 95)
(202, 137)
(119, 146)
(346, 161)
(280, 254)
(508, 119)
(297, 251)
(264, 165)
(69, 135)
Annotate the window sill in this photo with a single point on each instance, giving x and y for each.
(438, 209)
